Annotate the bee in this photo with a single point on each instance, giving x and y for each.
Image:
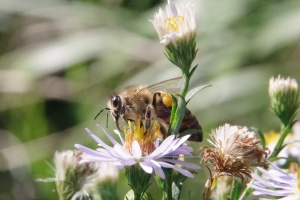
(151, 102)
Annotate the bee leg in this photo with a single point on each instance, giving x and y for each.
(149, 115)
(154, 100)
(148, 118)
(122, 110)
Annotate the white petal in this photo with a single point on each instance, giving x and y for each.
(118, 133)
(146, 167)
(136, 150)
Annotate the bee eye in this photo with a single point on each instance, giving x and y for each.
(116, 101)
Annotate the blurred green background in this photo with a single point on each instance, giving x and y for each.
(60, 59)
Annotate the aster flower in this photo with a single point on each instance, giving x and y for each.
(284, 98)
(176, 22)
(176, 28)
(235, 151)
(277, 183)
(75, 180)
(145, 151)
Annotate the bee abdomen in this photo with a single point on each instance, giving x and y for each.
(190, 122)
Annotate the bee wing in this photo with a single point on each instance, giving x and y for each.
(171, 86)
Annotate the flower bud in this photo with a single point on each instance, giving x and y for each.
(284, 98)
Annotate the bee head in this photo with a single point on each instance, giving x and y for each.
(116, 106)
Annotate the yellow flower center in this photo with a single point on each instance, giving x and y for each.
(173, 22)
(145, 138)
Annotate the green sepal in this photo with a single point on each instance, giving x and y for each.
(193, 69)
(237, 189)
(194, 91)
(261, 136)
(165, 185)
(130, 196)
(107, 191)
(177, 184)
(138, 180)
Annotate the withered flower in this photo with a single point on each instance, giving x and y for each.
(235, 151)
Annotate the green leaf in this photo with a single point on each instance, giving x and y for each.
(178, 180)
(194, 91)
(179, 114)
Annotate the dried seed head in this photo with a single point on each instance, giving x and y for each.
(235, 151)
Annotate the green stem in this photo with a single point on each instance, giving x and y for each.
(278, 146)
(167, 193)
(177, 118)
(186, 82)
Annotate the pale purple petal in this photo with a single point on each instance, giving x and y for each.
(173, 8)
(86, 150)
(118, 151)
(180, 141)
(163, 146)
(180, 170)
(157, 168)
(276, 184)
(98, 140)
(108, 135)
(183, 163)
(128, 162)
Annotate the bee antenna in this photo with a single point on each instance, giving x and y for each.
(101, 112)
(107, 120)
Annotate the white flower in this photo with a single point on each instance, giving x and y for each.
(176, 22)
(122, 155)
(276, 184)
(79, 180)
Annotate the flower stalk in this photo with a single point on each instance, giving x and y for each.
(279, 145)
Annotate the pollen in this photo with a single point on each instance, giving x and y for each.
(167, 100)
(145, 137)
(173, 22)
